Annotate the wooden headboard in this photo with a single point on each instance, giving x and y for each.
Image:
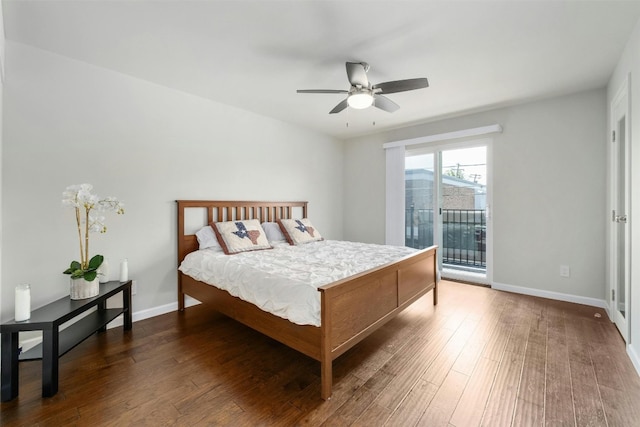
(218, 211)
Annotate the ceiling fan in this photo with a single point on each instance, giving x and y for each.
(363, 94)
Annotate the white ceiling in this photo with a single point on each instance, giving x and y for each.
(255, 54)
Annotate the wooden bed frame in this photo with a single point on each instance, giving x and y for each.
(351, 309)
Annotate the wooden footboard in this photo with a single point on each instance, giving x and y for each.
(352, 308)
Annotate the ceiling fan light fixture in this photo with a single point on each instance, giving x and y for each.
(360, 100)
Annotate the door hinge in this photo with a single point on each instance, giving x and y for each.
(613, 294)
(613, 135)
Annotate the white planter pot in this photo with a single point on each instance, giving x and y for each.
(82, 289)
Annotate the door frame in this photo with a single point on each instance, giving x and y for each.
(436, 149)
(620, 103)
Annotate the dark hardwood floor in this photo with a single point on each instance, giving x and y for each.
(481, 357)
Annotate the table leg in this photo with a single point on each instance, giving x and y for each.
(126, 302)
(102, 306)
(49, 361)
(9, 366)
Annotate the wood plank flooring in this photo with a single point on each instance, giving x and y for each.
(479, 358)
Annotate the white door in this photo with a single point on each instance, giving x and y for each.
(620, 196)
(446, 204)
(464, 215)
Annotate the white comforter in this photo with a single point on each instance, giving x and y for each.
(284, 280)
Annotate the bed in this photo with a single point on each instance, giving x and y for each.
(350, 309)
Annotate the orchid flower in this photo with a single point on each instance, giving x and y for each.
(86, 204)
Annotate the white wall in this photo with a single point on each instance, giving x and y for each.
(67, 122)
(629, 64)
(549, 202)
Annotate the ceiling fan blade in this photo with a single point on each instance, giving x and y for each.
(402, 85)
(357, 74)
(384, 103)
(321, 91)
(339, 107)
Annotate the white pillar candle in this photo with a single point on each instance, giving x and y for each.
(23, 303)
(124, 270)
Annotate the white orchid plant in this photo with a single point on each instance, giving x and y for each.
(88, 209)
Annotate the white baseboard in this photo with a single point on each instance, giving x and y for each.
(633, 355)
(153, 312)
(28, 343)
(594, 302)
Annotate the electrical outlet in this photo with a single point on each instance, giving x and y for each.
(134, 287)
(565, 271)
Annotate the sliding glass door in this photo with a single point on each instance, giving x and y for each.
(420, 196)
(446, 198)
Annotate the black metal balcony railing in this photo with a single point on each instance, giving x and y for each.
(464, 235)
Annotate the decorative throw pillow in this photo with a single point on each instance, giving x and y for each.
(240, 236)
(298, 231)
(273, 232)
(207, 238)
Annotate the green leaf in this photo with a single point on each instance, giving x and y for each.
(76, 271)
(96, 262)
(75, 265)
(76, 274)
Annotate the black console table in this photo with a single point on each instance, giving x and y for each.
(55, 343)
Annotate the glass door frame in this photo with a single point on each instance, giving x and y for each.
(436, 149)
(435, 197)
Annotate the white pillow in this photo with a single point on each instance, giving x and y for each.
(207, 238)
(273, 232)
